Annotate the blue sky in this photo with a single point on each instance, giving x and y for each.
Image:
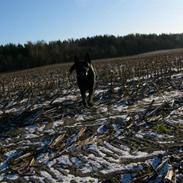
(49, 20)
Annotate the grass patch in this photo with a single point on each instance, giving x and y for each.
(161, 128)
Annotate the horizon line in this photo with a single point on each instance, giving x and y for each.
(85, 37)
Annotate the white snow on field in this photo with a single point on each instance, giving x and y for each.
(100, 91)
(100, 152)
(101, 120)
(37, 106)
(175, 117)
(80, 118)
(11, 154)
(120, 117)
(149, 135)
(31, 136)
(47, 176)
(36, 178)
(128, 177)
(3, 166)
(120, 153)
(158, 100)
(94, 148)
(68, 97)
(9, 177)
(166, 96)
(64, 160)
(31, 128)
(119, 108)
(102, 129)
(179, 111)
(116, 89)
(70, 178)
(58, 123)
(16, 110)
(76, 162)
(178, 76)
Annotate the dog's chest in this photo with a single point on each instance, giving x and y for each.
(86, 81)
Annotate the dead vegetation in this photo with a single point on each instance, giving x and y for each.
(132, 134)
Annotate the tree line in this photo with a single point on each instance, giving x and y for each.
(22, 56)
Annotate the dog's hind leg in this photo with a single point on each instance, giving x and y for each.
(90, 100)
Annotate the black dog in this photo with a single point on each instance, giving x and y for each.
(86, 78)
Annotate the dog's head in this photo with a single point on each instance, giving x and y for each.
(83, 67)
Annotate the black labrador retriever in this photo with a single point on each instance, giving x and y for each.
(86, 78)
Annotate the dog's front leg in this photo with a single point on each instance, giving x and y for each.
(83, 95)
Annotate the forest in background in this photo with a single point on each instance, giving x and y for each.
(22, 56)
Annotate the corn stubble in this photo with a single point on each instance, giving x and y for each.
(133, 132)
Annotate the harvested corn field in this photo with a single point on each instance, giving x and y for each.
(133, 133)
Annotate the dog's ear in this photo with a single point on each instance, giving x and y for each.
(76, 59)
(87, 58)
